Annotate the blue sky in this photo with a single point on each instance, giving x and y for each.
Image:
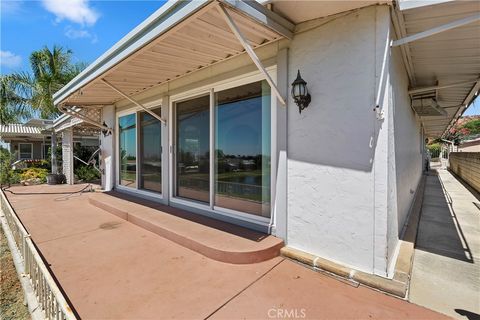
(88, 28)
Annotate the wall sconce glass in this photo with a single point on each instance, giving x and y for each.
(300, 93)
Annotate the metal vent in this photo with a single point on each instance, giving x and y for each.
(427, 107)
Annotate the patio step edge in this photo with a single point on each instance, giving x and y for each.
(233, 257)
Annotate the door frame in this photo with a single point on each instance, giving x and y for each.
(211, 89)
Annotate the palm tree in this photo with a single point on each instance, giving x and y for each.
(24, 94)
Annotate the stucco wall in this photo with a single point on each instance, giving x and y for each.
(408, 150)
(331, 145)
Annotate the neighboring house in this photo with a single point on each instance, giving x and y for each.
(197, 112)
(32, 140)
(469, 145)
(27, 141)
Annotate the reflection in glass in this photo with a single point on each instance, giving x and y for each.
(127, 150)
(192, 149)
(242, 143)
(150, 177)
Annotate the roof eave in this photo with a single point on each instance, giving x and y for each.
(159, 22)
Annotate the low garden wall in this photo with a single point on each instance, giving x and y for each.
(467, 166)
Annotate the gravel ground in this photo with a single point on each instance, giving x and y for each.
(11, 295)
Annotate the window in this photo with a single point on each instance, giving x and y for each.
(45, 149)
(25, 150)
(193, 149)
(150, 131)
(242, 149)
(127, 150)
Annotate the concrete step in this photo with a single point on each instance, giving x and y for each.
(212, 238)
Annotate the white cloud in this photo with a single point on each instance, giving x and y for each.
(77, 11)
(9, 59)
(73, 33)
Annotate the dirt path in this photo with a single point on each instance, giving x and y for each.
(11, 295)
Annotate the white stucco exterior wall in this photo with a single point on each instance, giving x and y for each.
(332, 145)
(408, 149)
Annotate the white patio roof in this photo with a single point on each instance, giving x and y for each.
(20, 130)
(180, 38)
(440, 45)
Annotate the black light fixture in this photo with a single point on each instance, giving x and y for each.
(300, 93)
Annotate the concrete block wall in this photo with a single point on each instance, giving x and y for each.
(467, 166)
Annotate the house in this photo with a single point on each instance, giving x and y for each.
(472, 145)
(33, 139)
(197, 112)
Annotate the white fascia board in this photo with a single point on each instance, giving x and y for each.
(169, 15)
(412, 4)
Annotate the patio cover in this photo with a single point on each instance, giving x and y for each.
(180, 38)
(440, 44)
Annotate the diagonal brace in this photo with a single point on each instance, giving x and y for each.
(84, 118)
(433, 31)
(156, 116)
(249, 50)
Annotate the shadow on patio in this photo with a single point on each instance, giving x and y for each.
(439, 230)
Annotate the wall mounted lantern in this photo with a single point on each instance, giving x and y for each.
(300, 93)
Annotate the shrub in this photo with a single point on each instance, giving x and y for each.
(7, 175)
(434, 149)
(87, 173)
(34, 173)
(43, 164)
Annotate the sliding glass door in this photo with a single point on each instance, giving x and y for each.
(127, 142)
(150, 153)
(241, 144)
(193, 149)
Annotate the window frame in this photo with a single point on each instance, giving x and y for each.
(154, 104)
(212, 89)
(20, 151)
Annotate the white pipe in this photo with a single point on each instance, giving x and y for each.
(156, 116)
(433, 31)
(236, 31)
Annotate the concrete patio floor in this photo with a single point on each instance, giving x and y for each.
(446, 268)
(110, 268)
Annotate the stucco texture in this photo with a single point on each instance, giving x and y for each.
(331, 144)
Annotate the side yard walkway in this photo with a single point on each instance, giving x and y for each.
(446, 266)
(110, 268)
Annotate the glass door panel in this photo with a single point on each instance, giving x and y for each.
(150, 176)
(127, 140)
(242, 149)
(193, 149)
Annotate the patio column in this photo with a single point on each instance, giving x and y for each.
(53, 153)
(107, 165)
(67, 155)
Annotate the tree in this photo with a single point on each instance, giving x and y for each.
(22, 94)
